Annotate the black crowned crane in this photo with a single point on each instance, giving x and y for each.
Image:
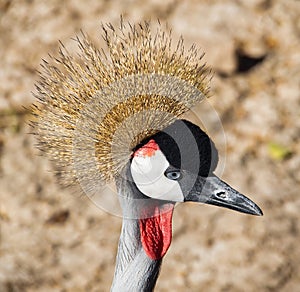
(116, 116)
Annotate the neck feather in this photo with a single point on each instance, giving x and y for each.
(134, 271)
(145, 237)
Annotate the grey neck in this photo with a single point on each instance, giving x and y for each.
(134, 271)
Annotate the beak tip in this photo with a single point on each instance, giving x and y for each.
(259, 212)
(256, 210)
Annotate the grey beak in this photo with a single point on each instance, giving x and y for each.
(214, 191)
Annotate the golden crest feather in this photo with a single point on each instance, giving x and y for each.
(93, 109)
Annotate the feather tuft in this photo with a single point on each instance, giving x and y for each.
(93, 109)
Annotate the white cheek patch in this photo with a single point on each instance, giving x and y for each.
(147, 168)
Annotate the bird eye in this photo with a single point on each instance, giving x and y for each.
(173, 174)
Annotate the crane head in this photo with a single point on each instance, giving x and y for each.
(94, 108)
(178, 165)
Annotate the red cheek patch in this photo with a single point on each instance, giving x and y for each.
(156, 232)
(147, 150)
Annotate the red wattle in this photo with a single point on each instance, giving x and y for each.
(156, 232)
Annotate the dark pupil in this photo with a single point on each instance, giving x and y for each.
(174, 174)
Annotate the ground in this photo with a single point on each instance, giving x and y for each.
(54, 239)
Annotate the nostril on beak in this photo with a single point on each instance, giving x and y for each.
(221, 194)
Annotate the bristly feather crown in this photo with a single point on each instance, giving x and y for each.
(93, 109)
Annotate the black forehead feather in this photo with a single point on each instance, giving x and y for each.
(187, 147)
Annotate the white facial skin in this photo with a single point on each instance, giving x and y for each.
(148, 172)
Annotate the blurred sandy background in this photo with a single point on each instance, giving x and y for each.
(52, 239)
